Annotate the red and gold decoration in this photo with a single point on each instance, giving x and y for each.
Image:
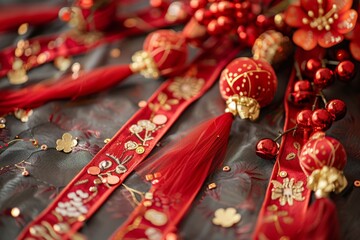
(247, 85)
(325, 35)
(164, 54)
(128, 148)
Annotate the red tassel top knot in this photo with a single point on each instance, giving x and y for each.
(247, 85)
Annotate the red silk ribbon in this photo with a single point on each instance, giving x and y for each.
(287, 197)
(129, 147)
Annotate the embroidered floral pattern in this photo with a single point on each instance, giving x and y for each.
(186, 87)
(74, 207)
(66, 143)
(163, 103)
(226, 217)
(143, 125)
(288, 191)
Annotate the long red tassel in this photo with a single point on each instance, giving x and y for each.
(38, 94)
(13, 16)
(321, 221)
(184, 168)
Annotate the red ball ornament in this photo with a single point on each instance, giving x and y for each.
(345, 71)
(321, 120)
(303, 119)
(303, 93)
(249, 84)
(342, 55)
(98, 19)
(322, 151)
(302, 85)
(337, 108)
(312, 65)
(323, 78)
(168, 50)
(267, 148)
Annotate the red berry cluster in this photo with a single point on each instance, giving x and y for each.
(307, 121)
(241, 17)
(304, 91)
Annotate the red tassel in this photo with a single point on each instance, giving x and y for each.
(185, 166)
(38, 94)
(321, 221)
(13, 16)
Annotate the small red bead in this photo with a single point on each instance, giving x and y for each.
(213, 27)
(302, 85)
(345, 71)
(323, 78)
(342, 55)
(312, 65)
(267, 148)
(303, 119)
(302, 93)
(321, 120)
(337, 108)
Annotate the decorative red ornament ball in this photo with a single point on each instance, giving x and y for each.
(168, 50)
(345, 71)
(322, 151)
(251, 78)
(337, 108)
(267, 148)
(321, 120)
(323, 78)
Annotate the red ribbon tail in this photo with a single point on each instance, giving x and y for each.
(67, 87)
(321, 221)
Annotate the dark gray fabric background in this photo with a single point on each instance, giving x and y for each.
(104, 113)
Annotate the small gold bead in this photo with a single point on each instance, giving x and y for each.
(211, 186)
(226, 169)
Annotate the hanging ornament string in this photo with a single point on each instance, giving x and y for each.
(15, 62)
(129, 147)
(246, 85)
(13, 16)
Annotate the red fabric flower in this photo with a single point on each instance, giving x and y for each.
(322, 22)
(354, 37)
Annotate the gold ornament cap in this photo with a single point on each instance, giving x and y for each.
(245, 107)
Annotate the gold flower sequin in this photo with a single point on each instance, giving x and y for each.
(288, 191)
(155, 217)
(66, 144)
(226, 217)
(186, 88)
